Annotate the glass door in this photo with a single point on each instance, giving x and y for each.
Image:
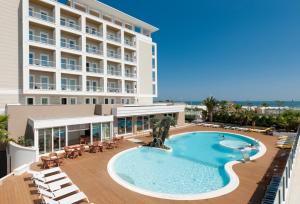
(44, 82)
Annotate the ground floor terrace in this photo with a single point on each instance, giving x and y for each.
(89, 173)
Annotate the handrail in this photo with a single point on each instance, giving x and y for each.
(74, 67)
(95, 88)
(70, 45)
(95, 69)
(68, 24)
(41, 86)
(36, 38)
(93, 32)
(41, 16)
(279, 195)
(94, 51)
(42, 63)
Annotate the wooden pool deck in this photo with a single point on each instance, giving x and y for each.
(89, 173)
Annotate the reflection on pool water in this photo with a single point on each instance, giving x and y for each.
(195, 164)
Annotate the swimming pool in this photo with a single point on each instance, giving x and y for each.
(197, 167)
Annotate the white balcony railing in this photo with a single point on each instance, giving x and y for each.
(113, 55)
(130, 91)
(41, 16)
(42, 63)
(36, 38)
(65, 87)
(130, 75)
(129, 43)
(96, 51)
(114, 72)
(93, 32)
(70, 45)
(98, 70)
(129, 59)
(41, 86)
(95, 88)
(73, 67)
(114, 90)
(113, 37)
(71, 25)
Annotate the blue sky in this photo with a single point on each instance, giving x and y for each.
(231, 49)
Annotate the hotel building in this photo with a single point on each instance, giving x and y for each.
(73, 68)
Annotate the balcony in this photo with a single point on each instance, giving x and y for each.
(41, 63)
(72, 46)
(130, 75)
(72, 67)
(70, 24)
(114, 90)
(95, 88)
(113, 55)
(129, 59)
(129, 43)
(130, 91)
(113, 38)
(43, 40)
(98, 70)
(93, 32)
(65, 87)
(114, 72)
(94, 50)
(41, 86)
(41, 16)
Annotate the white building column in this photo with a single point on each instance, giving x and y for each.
(36, 144)
(25, 12)
(66, 135)
(83, 57)
(57, 50)
(91, 133)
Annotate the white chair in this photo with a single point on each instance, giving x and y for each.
(41, 174)
(54, 186)
(52, 178)
(68, 200)
(59, 193)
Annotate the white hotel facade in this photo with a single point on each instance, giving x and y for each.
(76, 68)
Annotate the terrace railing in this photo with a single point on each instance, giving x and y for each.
(93, 32)
(95, 51)
(72, 67)
(71, 25)
(36, 38)
(41, 16)
(41, 86)
(114, 90)
(65, 87)
(70, 45)
(98, 70)
(278, 189)
(42, 63)
(113, 37)
(95, 88)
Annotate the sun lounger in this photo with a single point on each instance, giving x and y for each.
(284, 146)
(227, 127)
(41, 174)
(59, 193)
(53, 178)
(54, 186)
(68, 200)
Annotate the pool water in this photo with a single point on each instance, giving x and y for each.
(195, 164)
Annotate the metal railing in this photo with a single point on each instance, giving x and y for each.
(96, 51)
(129, 59)
(99, 70)
(129, 43)
(36, 38)
(70, 45)
(113, 55)
(73, 67)
(70, 87)
(41, 16)
(277, 190)
(42, 63)
(95, 88)
(130, 75)
(130, 91)
(69, 24)
(93, 32)
(113, 37)
(114, 72)
(114, 90)
(41, 86)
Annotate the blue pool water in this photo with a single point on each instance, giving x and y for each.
(195, 164)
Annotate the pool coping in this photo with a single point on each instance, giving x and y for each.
(231, 186)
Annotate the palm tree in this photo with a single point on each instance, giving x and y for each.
(210, 104)
(279, 104)
(4, 139)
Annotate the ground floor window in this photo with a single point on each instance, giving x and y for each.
(30, 101)
(45, 140)
(64, 101)
(44, 101)
(106, 131)
(124, 125)
(76, 132)
(97, 131)
(59, 138)
(139, 123)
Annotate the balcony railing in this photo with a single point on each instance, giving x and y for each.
(41, 16)
(70, 87)
(129, 43)
(94, 51)
(130, 91)
(114, 72)
(113, 55)
(98, 70)
(129, 59)
(42, 63)
(36, 38)
(73, 67)
(68, 24)
(41, 86)
(130, 75)
(70, 45)
(93, 32)
(113, 37)
(114, 90)
(95, 88)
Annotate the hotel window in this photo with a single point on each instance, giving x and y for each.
(146, 122)
(73, 100)
(87, 100)
(153, 50)
(44, 60)
(31, 11)
(72, 64)
(64, 101)
(44, 15)
(94, 101)
(63, 63)
(31, 34)
(31, 57)
(44, 101)
(62, 21)
(30, 101)
(96, 131)
(59, 138)
(139, 123)
(124, 125)
(106, 101)
(153, 89)
(44, 37)
(106, 131)
(31, 82)
(45, 140)
(153, 63)
(63, 42)
(153, 76)
(45, 82)
(72, 43)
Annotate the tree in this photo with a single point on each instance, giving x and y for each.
(4, 139)
(210, 104)
(264, 104)
(279, 104)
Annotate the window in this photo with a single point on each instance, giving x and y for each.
(59, 138)
(72, 44)
(72, 84)
(94, 100)
(31, 57)
(31, 11)
(63, 63)
(44, 60)
(112, 101)
(44, 15)
(87, 100)
(62, 21)
(153, 50)
(45, 140)
(153, 89)
(63, 42)
(106, 101)
(30, 34)
(63, 101)
(139, 123)
(44, 101)
(73, 100)
(31, 82)
(72, 64)
(153, 76)
(88, 66)
(44, 82)
(30, 101)
(71, 23)
(153, 63)
(44, 37)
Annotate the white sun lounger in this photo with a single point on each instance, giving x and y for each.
(59, 193)
(68, 200)
(53, 178)
(41, 174)
(54, 186)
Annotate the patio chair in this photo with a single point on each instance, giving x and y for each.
(68, 200)
(55, 177)
(44, 173)
(54, 186)
(59, 193)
